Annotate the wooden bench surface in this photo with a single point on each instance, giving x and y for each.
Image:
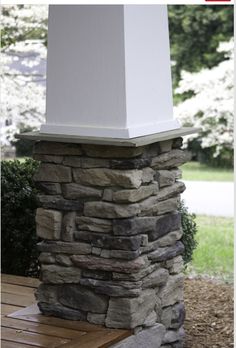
(23, 326)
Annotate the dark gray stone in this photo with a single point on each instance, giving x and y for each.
(63, 260)
(124, 254)
(104, 151)
(47, 258)
(54, 274)
(110, 210)
(48, 158)
(148, 338)
(113, 265)
(59, 203)
(95, 318)
(76, 191)
(173, 158)
(87, 162)
(49, 188)
(72, 161)
(113, 288)
(165, 177)
(65, 248)
(165, 224)
(177, 143)
(94, 224)
(156, 278)
(68, 226)
(135, 163)
(109, 242)
(57, 310)
(167, 253)
(101, 275)
(53, 173)
(82, 298)
(172, 336)
(173, 316)
(54, 148)
(136, 276)
(172, 291)
(128, 313)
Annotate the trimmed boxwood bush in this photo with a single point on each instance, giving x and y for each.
(189, 227)
(19, 253)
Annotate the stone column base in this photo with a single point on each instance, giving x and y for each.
(111, 237)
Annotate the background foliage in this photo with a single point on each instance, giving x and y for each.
(19, 254)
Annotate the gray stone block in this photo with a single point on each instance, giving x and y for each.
(133, 163)
(54, 274)
(68, 226)
(48, 158)
(166, 253)
(94, 224)
(110, 210)
(173, 316)
(47, 258)
(95, 318)
(49, 188)
(135, 195)
(60, 311)
(172, 292)
(53, 173)
(59, 203)
(155, 279)
(112, 265)
(65, 248)
(56, 148)
(76, 191)
(165, 177)
(104, 151)
(82, 298)
(172, 336)
(108, 177)
(48, 224)
(171, 159)
(130, 312)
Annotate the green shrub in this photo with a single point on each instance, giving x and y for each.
(19, 253)
(189, 227)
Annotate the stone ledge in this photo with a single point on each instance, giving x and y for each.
(134, 142)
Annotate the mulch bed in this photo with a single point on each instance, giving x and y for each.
(209, 314)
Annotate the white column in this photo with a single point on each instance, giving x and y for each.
(108, 72)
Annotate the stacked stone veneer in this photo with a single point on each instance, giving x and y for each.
(111, 249)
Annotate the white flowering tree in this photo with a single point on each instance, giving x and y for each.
(24, 33)
(211, 105)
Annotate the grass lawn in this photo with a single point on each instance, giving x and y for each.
(202, 172)
(214, 254)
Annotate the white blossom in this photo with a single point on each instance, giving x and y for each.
(211, 106)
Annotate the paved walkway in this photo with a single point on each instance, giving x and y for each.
(209, 198)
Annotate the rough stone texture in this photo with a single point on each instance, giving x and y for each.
(82, 298)
(169, 239)
(149, 338)
(59, 203)
(97, 319)
(171, 336)
(110, 210)
(166, 253)
(173, 316)
(49, 188)
(96, 263)
(47, 258)
(53, 148)
(171, 159)
(54, 274)
(112, 151)
(172, 291)
(68, 226)
(130, 312)
(165, 177)
(111, 250)
(135, 195)
(109, 242)
(76, 191)
(94, 224)
(65, 248)
(48, 224)
(175, 265)
(53, 172)
(48, 158)
(108, 177)
(156, 279)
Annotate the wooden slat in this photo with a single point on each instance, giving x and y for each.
(41, 328)
(18, 300)
(18, 280)
(17, 289)
(31, 314)
(35, 339)
(99, 339)
(10, 344)
(8, 309)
